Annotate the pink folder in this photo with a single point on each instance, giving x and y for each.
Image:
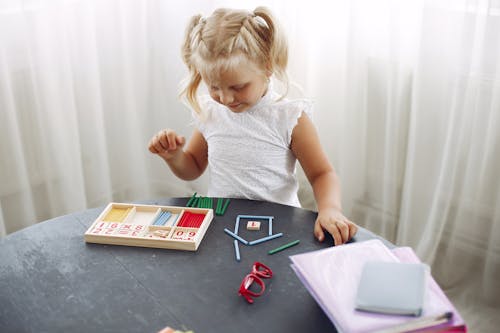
(332, 275)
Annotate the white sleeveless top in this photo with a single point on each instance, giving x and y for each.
(249, 153)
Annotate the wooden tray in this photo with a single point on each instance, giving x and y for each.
(167, 227)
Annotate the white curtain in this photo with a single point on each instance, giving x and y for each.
(407, 97)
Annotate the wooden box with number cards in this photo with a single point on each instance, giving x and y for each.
(168, 227)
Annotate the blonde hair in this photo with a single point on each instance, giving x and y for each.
(226, 38)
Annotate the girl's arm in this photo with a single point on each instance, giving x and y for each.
(186, 164)
(324, 181)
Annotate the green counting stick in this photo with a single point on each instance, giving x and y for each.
(191, 200)
(200, 202)
(225, 206)
(219, 206)
(283, 247)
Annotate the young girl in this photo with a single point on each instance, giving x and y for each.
(248, 135)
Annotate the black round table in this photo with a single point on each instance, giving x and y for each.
(52, 281)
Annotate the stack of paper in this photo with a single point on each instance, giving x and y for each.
(332, 277)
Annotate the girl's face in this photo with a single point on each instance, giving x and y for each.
(238, 89)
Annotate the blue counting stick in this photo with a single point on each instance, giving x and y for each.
(230, 233)
(255, 217)
(162, 218)
(174, 219)
(236, 225)
(157, 219)
(265, 239)
(237, 250)
(166, 216)
(270, 226)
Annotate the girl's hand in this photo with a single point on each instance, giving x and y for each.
(166, 144)
(333, 221)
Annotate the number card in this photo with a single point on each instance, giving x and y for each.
(253, 225)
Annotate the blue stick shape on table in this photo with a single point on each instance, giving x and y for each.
(255, 217)
(230, 233)
(236, 225)
(265, 239)
(237, 250)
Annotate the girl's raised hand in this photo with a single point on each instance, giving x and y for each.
(335, 223)
(166, 143)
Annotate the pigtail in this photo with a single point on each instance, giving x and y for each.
(192, 39)
(278, 46)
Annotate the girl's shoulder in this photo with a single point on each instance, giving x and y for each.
(294, 107)
(286, 113)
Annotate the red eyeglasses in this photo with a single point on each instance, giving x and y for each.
(259, 271)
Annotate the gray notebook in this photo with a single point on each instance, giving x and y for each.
(392, 287)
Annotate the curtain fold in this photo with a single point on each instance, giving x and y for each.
(407, 105)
